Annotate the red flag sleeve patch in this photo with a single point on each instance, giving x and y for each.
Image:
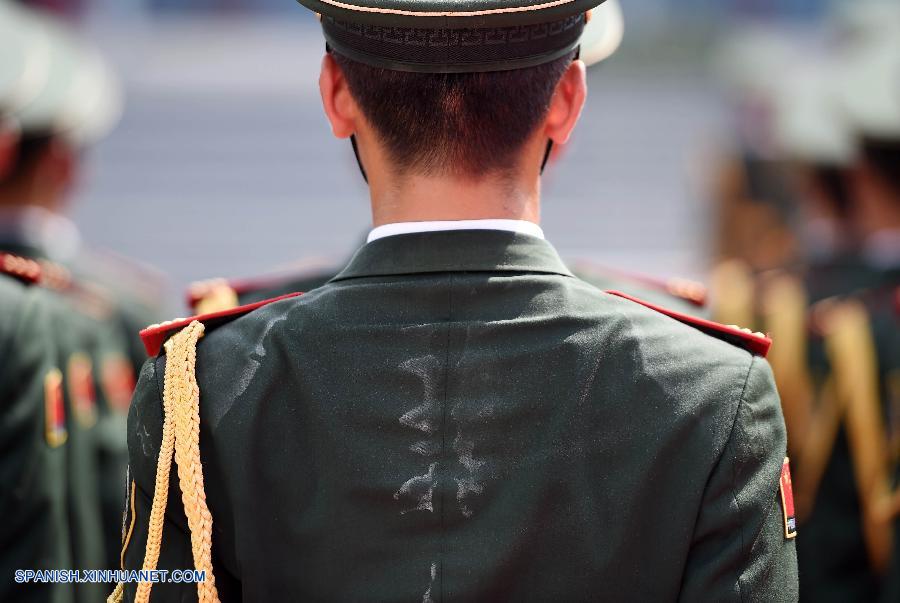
(755, 343)
(787, 501)
(54, 409)
(155, 336)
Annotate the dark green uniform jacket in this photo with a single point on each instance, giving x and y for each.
(455, 417)
(97, 328)
(33, 447)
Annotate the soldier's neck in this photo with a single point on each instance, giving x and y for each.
(413, 198)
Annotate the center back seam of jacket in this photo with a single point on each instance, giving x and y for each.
(444, 420)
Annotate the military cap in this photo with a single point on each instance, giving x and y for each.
(455, 36)
(24, 58)
(79, 98)
(808, 124)
(870, 87)
(603, 33)
(864, 20)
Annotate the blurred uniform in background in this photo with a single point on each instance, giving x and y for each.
(832, 126)
(75, 102)
(33, 429)
(870, 98)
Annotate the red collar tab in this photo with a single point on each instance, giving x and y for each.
(23, 269)
(155, 336)
(755, 343)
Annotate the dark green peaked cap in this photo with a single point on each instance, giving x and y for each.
(452, 36)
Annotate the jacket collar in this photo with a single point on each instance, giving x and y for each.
(454, 251)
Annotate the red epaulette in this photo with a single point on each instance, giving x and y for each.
(199, 290)
(23, 269)
(690, 291)
(755, 343)
(155, 336)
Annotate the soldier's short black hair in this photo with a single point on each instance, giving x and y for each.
(467, 124)
(884, 157)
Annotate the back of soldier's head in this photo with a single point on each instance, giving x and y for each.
(67, 97)
(458, 88)
(461, 124)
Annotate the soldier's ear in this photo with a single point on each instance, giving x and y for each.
(566, 105)
(340, 106)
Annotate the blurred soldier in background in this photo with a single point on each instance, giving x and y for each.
(870, 98)
(752, 210)
(75, 103)
(33, 429)
(832, 128)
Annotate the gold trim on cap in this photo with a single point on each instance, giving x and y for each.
(466, 13)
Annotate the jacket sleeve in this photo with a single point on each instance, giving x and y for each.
(739, 550)
(145, 420)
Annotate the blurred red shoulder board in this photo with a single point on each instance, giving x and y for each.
(23, 269)
(684, 289)
(755, 343)
(199, 290)
(155, 336)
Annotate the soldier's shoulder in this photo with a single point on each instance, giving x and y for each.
(693, 372)
(695, 359)
(17, 275)
(694, 327)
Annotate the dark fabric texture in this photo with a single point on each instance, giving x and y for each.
(456, 417)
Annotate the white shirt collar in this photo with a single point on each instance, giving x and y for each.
(398, 228)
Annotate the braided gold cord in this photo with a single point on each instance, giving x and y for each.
(127, 538)
(181, 440)
(185, 393)
(118, 595)
(160, 489)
